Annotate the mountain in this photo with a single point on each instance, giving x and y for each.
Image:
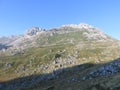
(36, 36)
(70, 57)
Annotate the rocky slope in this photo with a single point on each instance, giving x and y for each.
(37, 36)
(70, 57)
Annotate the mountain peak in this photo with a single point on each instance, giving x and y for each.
(33, 31)
(81, 25)
(67, 33)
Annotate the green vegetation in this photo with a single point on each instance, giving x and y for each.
(60, 62)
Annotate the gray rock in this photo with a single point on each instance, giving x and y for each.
(84, 78)
(32, 31)
(109, 69)
(8, 65)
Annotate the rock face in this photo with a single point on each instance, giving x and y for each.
(33, 31)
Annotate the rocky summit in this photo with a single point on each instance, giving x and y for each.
(69, 57)
(37, 36)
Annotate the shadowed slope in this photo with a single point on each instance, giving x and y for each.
(66, 79)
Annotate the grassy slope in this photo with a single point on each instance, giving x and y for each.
(95, 54)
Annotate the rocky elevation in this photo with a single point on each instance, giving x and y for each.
(37, 36)
(69, 57)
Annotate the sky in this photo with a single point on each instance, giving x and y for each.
(16, 16)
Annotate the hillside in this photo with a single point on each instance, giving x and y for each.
(62, 35)
(70, 57)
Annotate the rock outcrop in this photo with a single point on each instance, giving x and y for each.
(106, 70)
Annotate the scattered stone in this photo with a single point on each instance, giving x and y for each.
(84, 78)
(44, 67)
(22, 68)
(8, 65)
(109, 69)
(55, 62)
(74, 80)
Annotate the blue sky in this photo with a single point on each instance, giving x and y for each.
(16, 16)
